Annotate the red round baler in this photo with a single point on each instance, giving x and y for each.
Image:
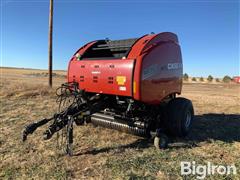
(129, 85)
(148, 69)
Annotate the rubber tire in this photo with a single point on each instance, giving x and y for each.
(177, 110)
(161, 142)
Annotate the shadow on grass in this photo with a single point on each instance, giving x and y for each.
(138, 144)
(223, 127)
(206, 128)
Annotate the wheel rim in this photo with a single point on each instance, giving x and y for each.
(188, 120)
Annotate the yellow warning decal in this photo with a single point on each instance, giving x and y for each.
(121, 80)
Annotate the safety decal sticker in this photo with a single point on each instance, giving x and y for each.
(121, 80)
(122, 88)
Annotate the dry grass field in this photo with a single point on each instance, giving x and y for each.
(107, 154)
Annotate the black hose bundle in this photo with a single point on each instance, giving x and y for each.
(68, 97)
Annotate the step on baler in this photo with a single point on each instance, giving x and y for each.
(129, 85)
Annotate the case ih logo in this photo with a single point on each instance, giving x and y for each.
(174, 66)
(156, 68)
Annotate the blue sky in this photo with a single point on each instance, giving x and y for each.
(208, 30)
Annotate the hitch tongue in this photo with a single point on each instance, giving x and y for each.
(81, 106)
(29, 129)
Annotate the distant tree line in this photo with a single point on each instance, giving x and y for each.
(210, 78)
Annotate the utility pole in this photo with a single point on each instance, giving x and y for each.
(50, 43)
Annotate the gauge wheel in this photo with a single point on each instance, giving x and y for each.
(161, 141)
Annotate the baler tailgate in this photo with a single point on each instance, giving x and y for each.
(103, 76)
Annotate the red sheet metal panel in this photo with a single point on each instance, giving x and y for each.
(135, 53)
(103, 76)
(154, 78)
(162, 69)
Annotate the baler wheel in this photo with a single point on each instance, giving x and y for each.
(180, 116)
(161, 142)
